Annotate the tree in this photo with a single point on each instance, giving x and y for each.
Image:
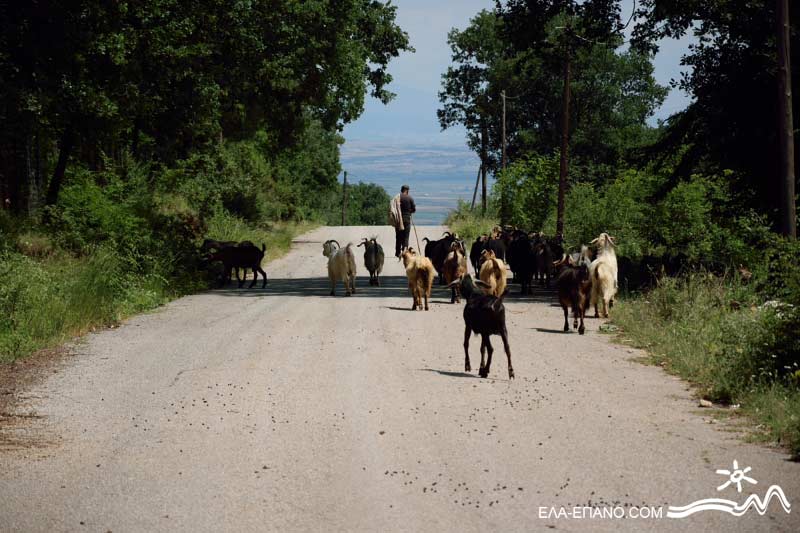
(732, 121)
(165, 78)
(519, 48)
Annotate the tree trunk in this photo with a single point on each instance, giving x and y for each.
(787, 216)
(67, 143)
(562, 177)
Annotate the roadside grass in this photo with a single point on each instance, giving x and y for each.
(736, 350)
(469, 223)
(277, 236)
(49, 296)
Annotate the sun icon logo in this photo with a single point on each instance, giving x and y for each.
(736, 477)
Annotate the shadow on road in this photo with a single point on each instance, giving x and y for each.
(545, 330)
(450, 374)
(391, 287)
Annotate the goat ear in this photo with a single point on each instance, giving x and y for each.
(362, 243)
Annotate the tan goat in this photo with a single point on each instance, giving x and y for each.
(420, 274)
(493, 273)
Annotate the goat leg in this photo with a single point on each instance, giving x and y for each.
(264, 284)
(489, 351)
(483, 360)
(504, 336)
(566, 317)
(575, 306)
(467, 367)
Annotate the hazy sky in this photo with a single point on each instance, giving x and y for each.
(403, 139)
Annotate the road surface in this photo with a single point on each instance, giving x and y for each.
(285, 409)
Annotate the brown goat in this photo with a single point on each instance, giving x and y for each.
(454, 268)
(574, 291)
(420, 274)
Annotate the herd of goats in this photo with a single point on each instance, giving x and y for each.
(585, 278)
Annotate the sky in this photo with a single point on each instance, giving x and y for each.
(402, 141)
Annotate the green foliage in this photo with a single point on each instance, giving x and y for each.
(166, 79)
(471, 223)
(90, 214)
(778, 272)
(525, 191)
(43, 303)
(367, 205)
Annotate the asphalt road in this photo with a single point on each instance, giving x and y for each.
(285, 409)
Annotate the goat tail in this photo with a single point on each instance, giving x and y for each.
(424, 277)
(263, 248)
(351, 257)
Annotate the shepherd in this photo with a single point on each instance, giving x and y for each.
(400, 211)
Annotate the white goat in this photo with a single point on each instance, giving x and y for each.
(341, 265)
(603, 273)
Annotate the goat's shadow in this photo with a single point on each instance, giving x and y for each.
(398, 308)
(547, 330)
(450, 373)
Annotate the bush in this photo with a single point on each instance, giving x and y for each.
(470, 223)
(367, 205)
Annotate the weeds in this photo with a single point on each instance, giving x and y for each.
(719, 334)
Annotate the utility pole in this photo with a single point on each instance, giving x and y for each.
(344, 200)
(787, 216)
(562, 178)
(484, 157)
(475, 192)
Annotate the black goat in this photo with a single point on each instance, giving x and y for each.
(245, 257)
(574, 290)
(484, 315)
(475, 252)
(438, 250)
(373, 259)
(499, 247)
(522, 260)
(211, 244)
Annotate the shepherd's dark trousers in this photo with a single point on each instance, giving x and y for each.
(401, 239)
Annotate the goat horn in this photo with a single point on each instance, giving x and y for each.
(337, 242)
